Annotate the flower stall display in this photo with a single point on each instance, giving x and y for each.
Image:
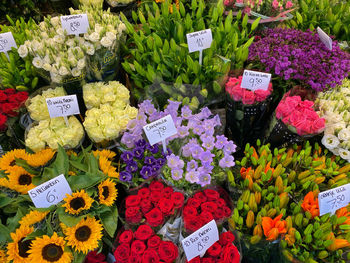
(332, 106)
(247, 111)
(143, 245)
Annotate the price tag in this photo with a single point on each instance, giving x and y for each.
(325, 38)
(7, 42)
(199, 40)
(75, 24)
(50, 193)
(254, 80)
(160, 130)
(198, 243)
(63, 106)
(331, 200)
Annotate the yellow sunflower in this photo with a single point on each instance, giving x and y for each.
(49, 249)
(20, 180)
(40, 158)
(33, 217)
(18, 249)
(77, 202)
(107, 168)
(3, 258)
(107, 192)
(4, 183)
(104, 153)
(7, 161)
(84, 236)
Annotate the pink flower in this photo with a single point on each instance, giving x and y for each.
(228, 2)
(289, 5)
(248, 97)
(275, 4)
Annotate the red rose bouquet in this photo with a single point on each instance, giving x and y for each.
(222, 251)
(143, 246)
(203, 207)
(153, 205)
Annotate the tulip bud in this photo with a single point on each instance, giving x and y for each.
(250, 219)
(279, 184)
(257, 231)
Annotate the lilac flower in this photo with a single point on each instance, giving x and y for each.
(209, 126)
(132, 125)
(230, 147)
(150, 160)
(192, 123)
(155, 116)
(227, 161)
(186, 112)
(153, 148)
(138, 152)
(128, 140)
(169, 152)
(174, 161)
(160, 161)
(125, 176)
(216, 120)
(173, 106)
(146, 172)
(198, 129)
(131, 167)
(204, 114)
(205, 169)
(206, 157)
(141, 118)
(147, 107)
(208, 142)
(182, 131)
(196, 151)
(192, 176)
(141, 143)
(204, 179)
(186, 150)
(191, 165)
(176, 174)
(127, 156)
(221, 141)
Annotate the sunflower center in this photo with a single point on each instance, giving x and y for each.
(83, 233)
(13, 163)
(52, 252)
(77, 203)
(105, 192)
(23, 247)
(25, 179)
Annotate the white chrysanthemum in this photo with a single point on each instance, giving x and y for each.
(22, 51)
(37, 62)
(330, 141)
(345, 154)
(344, 135)
(63, 71)
(76, 72)
(106, 42)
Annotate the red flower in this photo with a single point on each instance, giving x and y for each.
(226, 238)
(192, 223)
(166, 206)
(219, 213)
(3, 96)
(206, 217)
(155, 217)
(134, 259)
(9, 109)
(3, 120)
(154, 242)
(10, 91)
(195, 260)
(137, 248)
(208, 260)
(167, 191)
(178, 199)
(209, 207)
(144, 193)
(132, 201)
(156, 186)
(21, 96)
(155, 196)
(133, 215)
(122, 253)
(212, 195)
(227, 211)
(194, 202)
(215, 250)
(221, 202)
(93, 257)
(200, 196)
(146, 206)
(189, 211)
(126, 237)
(144, 232)
(167, 251)
(230, 254)
(150, 256)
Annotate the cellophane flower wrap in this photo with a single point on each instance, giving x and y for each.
(144, 245)
(247, 111)
(333, 107)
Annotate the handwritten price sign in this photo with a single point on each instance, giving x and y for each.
(50, 193)
(331, 200)
(199, 40)
(254, 80)
(63, 106)
(160, 130)
(7, 42)
(75, 24)
(198, 243)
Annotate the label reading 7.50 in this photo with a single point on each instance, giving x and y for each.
(331, 200)
(160, 130)
(63, 106)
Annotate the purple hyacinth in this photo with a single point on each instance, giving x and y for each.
(127, 156)
(227, 161)
(153, 148)
(150, 160)
(146, 172)
(125, 176)
(138, 152)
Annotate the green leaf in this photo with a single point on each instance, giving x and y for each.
(69, 220)
(299, 17)
(4, 234)
(87, 180)
(61, 163)
(110, 221)
(4, 200)
(255, 24)
(239, 115)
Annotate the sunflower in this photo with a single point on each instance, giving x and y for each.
(105, 153)
(3, 258)
(49, 249)
(18, 249)
(32, 218)
(84, 236)
(8, 161)
(77, 202)
(40, 158)
(20, 180)
(107, 192)
(107, 168)
(4, 183)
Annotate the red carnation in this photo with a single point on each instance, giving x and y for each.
(226, 238)
(138, 247)
(132, 201)
(146, 206)
(209, 207)
(167, 191)
(156, 186)
(144, 232)
(126, 237)
(214, 250)
(21, 96)
(155, 196)
(166, 206)
(133, 215)
(208, 260)
(178, 199)
(144, 193)
(3, 120)
(227, 211)
(10, 109)
(212, 195)
(155, 217)
(167, 251)
(122, 253)
(194, 202)
(150, 256)
(200, 196)
(154, 242)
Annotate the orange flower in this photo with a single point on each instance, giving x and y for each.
(338, 243)
(244, 171)
(344, 212)
(310, 204)
(274, 227)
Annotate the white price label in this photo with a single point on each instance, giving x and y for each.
(199, 40)
(160, 130)
(7, 42)
(326, 40)
(254, 80)
(331, 200)
(63, 106)
(75, 24)
(50, 193)
(198, 243)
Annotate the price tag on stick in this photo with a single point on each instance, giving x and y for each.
(160, 130)
(197, 41)
(7, 42)
(50, 193)
(254, 80)
(63, 106)
(198, 243)
(326, 40)
(331, 200)
(75, 24)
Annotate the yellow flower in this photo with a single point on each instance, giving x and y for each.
(77, 202)
(40, 158)
(33, 217)
(104, 153)
(18, 249)
(3, 258)
(84, 236)
(71, 152)
(8, 162)
(20, 180)
(49, 249)
(107, 168)
(107, 192)
(4, 183)
(71, 173)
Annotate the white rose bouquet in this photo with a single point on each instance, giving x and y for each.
(52, 132)
(333, 105)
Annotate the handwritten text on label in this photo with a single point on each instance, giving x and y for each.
(331, 200)
(199, 40)
(63, 106)
(254, 80)
(160, 130)
(75, 24)
(7, 42)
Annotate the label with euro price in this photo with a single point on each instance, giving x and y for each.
(50, 193)
(160, 130)
(7, 42)
(63, 106)
(75, 24)
(199, 40)
(331, 200)
(254, 80)
(199, 242)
